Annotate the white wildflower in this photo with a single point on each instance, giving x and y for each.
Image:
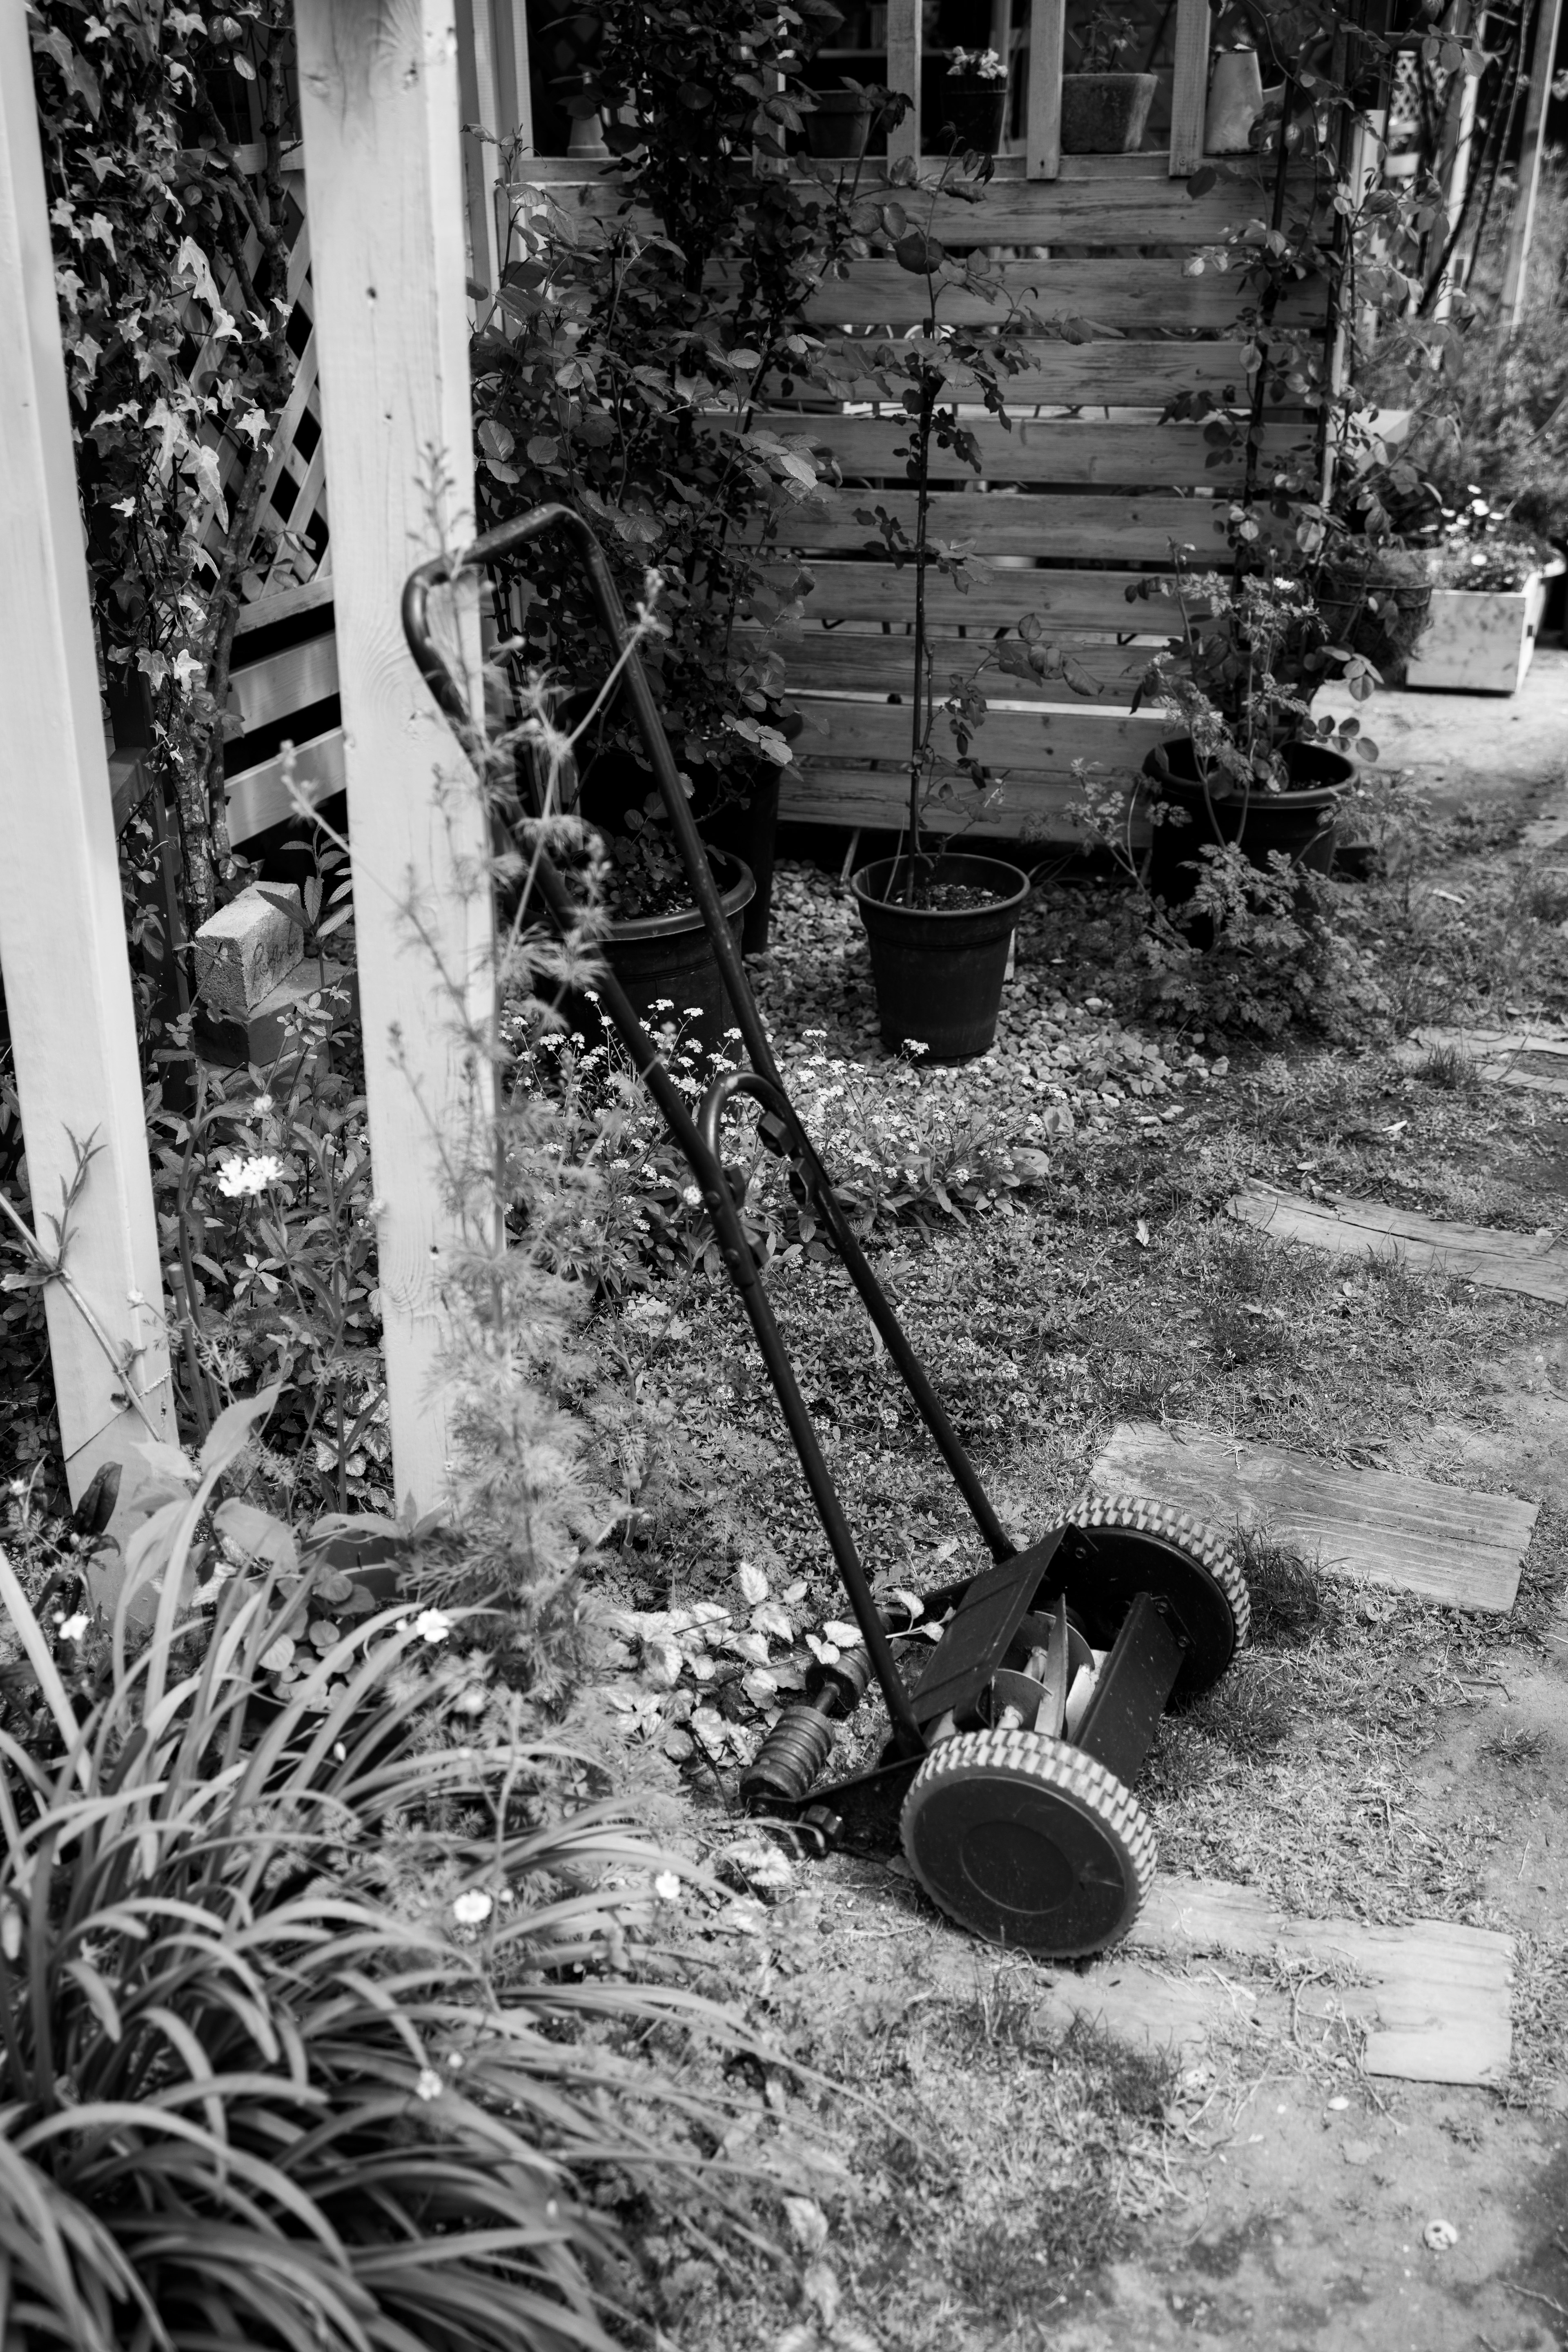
(472, 1908)
(74, 1628)
(432, 1624)
(429, 2084)
(237, 1177)
(666, 1887)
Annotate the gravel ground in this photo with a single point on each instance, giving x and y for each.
(1055, 1048)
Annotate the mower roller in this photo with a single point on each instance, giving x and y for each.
(1007, 1770)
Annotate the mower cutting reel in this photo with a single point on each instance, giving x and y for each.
(1008, 1772)
(1038, 1705)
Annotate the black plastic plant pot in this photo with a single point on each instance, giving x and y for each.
(939, 971)
(748, 830)
(1106, 113)
(838, 130)
(1299, 821)
(667, 959)
(965, 115)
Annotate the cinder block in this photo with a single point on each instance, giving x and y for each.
(277, 1025)
(245, 951)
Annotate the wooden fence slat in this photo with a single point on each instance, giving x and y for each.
(264, 691)
(378, 95)
(1068, 600)
(868, 664)
(1094, 201)
(1149, 291)
(287, 603)
(257, 797)
(1044, 741)
(831, 794)
(1043, 99)
(62, 925)
(998, 524)
(1111, 374)
(1073, 452)
(1189, 88)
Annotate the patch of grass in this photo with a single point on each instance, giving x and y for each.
(995, 2164)
(1450, 1067)
(1524, 1744)
(1291, 1598)
(1540, 2069)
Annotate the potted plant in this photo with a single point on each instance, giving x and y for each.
(940, 924)
(1105, 109)
(840, 124)
(654, 941)
(1489, 593)
(1250, 765)
(968, 105)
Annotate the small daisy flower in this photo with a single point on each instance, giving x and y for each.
(74, 1628)
(472, 1908)
(429, 2084)
(432, 1624)
(666, 1887)
(238, 1177)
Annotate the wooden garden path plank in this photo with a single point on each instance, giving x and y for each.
(1461, 1549)
(1498, 1053)
(1530, 1264)
(1434, 1995)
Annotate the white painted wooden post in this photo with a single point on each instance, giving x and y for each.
(62, 926)
(378, 89)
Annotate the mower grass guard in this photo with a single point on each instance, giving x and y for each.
(1025, 1835)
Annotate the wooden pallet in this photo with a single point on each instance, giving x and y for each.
(1534, 1265)
(1448, 1545)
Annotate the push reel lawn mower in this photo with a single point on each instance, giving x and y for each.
(1007, 1772)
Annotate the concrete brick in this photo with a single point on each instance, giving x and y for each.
(246, 951)
(274, 1026)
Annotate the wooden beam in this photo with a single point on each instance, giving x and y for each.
(62, 926)
(515, 90)
(1043, 99)
(478, 107)
(904, 74)
(1521, 225)
(1189, 88)
(378, 92)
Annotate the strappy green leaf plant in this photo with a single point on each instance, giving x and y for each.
(306, 2037)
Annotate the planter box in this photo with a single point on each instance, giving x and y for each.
(1478, 641)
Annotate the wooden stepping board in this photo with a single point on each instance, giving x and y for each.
(1434, 1997)
(1534, 1264)
(1448, 1545)
(1500, 1056)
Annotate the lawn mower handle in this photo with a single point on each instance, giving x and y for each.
(700, 1144)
